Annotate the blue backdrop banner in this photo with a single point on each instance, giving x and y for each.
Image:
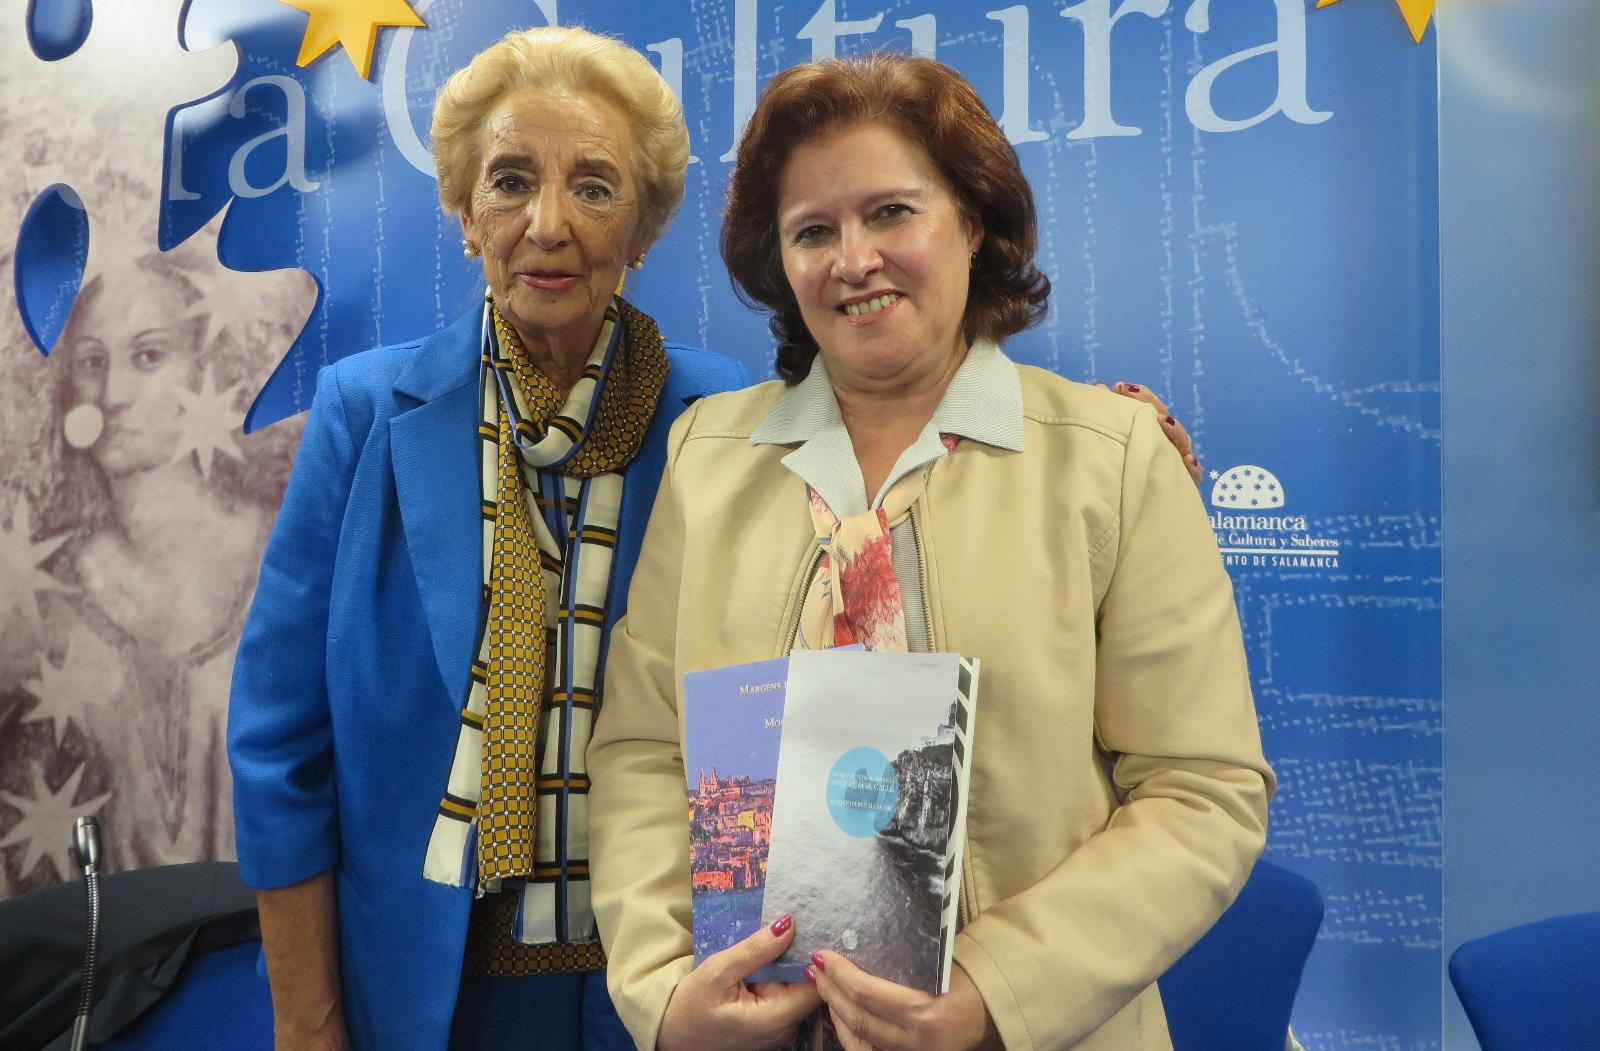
(1238, 207)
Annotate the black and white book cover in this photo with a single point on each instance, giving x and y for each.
(868, 822)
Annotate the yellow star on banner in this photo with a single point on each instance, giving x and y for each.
(1416, 13)
(353, 23)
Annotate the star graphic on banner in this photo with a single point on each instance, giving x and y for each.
(206, 420)
(20, 559)
(352, 23)
(1417, 14)
(46, 823)
(70, 689)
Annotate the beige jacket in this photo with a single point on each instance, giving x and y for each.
(1119, 792)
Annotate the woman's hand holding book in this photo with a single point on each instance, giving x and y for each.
(713, 1009)
(871, 1014)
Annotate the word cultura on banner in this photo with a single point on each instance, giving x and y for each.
(1097, 19)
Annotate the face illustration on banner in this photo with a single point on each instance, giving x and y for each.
(130, 660)
(127, 353)
(877, 252)
(555, 211)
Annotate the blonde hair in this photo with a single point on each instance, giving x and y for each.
(564, 59)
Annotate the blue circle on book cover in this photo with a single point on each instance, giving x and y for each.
(863, 791)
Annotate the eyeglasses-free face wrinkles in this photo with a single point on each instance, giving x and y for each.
(556, 214)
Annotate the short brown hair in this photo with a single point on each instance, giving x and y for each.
(932, 104)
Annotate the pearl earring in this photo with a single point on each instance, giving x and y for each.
(636, 263)
(469, 249)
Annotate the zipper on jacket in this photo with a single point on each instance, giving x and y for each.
(964, 897)
(800, 603)
(922, 575)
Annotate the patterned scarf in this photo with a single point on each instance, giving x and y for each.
(515, 804)
(854, 596)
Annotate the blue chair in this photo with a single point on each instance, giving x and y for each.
(1535, 987)
(1235, 990)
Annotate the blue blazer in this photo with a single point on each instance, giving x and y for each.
(352, 668)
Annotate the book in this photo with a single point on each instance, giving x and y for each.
(868, 819)
(733, 719)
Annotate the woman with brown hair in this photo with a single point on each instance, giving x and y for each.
(907, 487)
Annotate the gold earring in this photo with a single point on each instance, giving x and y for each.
(469, 249)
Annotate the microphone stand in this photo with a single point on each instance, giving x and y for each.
(86, 849)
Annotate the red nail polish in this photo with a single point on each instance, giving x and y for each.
(781, 925)
(811, 976)
(1133, 388)
(1171, 422)
(816, 959)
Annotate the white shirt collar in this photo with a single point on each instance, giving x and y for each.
(983, 403)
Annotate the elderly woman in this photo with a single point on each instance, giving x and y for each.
(1119, 793)
(415, 686)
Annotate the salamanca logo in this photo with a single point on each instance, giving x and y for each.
(1254, 529)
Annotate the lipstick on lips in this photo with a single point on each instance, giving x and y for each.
(548, 280)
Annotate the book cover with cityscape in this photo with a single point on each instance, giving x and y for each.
(733, 720)
(867, 823)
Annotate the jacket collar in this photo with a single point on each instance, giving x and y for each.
(983, 403)
(434, 449)
(447, 360)
(434, 454)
